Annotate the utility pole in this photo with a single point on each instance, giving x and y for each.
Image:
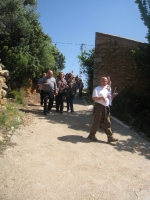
(81, 48)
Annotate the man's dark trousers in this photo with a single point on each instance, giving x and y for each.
(48, 96)
(42, 96)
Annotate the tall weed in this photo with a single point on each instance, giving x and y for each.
(19, 95)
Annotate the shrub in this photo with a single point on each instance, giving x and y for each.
(10, 117)
(19, 96)
(133, 110)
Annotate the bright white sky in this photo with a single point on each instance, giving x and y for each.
(76, 21)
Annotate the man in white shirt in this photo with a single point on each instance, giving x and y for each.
(101, 97)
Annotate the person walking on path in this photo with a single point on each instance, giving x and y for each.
(49, 87)
(71, 93)
(61, 85)
(81, 86)
(40, 81)
(101, 111)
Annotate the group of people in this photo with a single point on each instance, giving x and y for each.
(63, 86)
(67, 85)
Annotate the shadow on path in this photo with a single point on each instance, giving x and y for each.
(82, 120)
(76, 138)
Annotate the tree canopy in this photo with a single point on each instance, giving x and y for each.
(25, 49)
(144, 7)
(141, 54)
(87, 67)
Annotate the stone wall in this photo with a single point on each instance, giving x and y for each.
(3, 87)
(113, 58)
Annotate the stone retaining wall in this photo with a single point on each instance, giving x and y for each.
(3, 87)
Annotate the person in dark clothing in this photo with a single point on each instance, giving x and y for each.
(81, 86)
(40, 81)
(71, 93)
(61, 85)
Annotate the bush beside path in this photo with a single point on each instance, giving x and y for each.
(53, 159)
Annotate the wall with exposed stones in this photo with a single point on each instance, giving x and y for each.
(3, 87)
(113, 57)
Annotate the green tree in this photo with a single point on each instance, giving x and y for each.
(87, 67)
(134, 108)
(144, 7)
(25, 49)
(59, 59)
(141, 54)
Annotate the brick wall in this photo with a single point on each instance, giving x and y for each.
(113, 57)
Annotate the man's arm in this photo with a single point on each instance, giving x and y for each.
(99, 98)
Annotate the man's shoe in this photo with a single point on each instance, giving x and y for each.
(112, 139)
(61, 112)
(92, 138)
(48, 111)
(45, 113)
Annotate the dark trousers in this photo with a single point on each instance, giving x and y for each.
(80, 92)
(60, 101)
(48, 96)
(41, 96)
(70, 103)
(98, 110)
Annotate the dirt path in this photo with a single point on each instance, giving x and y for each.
(53, 159)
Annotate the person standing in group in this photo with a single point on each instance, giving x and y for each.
(71, 93)
(81, 86)
(61, 85)
(49, 87)
(101, 111)
(56, 96)
(40, 81)
(108, 87)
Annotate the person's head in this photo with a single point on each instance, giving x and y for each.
(50, 73)
(61, 75)
(44, 74)
(70, 75)
(103, 81)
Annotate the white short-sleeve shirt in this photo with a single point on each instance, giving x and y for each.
(101, 92)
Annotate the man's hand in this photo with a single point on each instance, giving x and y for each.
(105, 99)
(114, 94)
(46, 84)
(100, 98)
(40, 86)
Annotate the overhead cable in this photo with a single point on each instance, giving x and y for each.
(71, 43)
